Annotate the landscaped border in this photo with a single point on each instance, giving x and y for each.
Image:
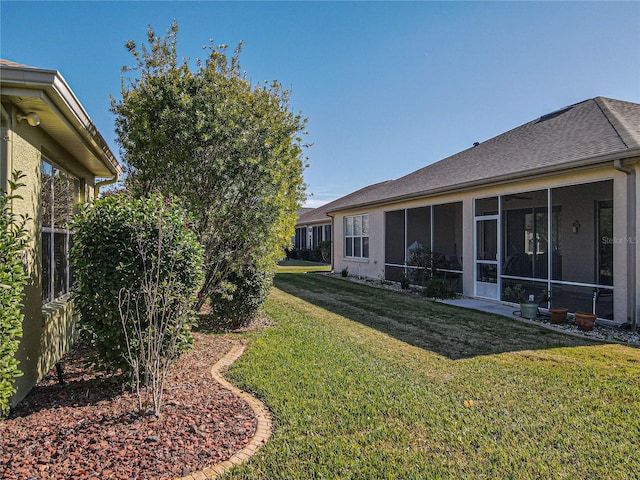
(263, 428)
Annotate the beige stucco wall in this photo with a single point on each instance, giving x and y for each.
(634, 245)
(624, 296)
(49, 332)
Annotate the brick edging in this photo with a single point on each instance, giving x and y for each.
(263, 428)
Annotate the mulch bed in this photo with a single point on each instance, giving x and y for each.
(89, 428)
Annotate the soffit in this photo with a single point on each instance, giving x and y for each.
(61, 116)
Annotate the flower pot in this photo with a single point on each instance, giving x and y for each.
(529, 310)
(558, 315)
(585, 321)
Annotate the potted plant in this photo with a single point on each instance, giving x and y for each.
(558, 315)
(514, 294)
(585, 321)
(529, 308)
(528, 304)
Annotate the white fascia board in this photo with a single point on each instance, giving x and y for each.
(84, 125)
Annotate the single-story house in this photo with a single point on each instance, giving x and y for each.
(315, 226)
(549, 209)
(300, 239)
(47, 134)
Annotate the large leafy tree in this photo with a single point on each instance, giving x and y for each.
(231, 150)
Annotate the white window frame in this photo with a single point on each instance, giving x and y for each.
(355, 236)
(52, 230)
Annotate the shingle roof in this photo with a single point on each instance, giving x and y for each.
(318, 215)
(303, 210)
(9, 63)
(578, 134)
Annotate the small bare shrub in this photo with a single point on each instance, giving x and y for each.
(153, 317)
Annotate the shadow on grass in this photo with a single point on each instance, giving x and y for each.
(450, 331)
(210, 324)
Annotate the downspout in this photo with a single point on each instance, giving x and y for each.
(7, 149)
(333, 250)
(103, 183)
(631, 229)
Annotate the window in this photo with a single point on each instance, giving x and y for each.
(327, 233)
(60, 191)
(317, 237)
(300, 238)
(356, 236)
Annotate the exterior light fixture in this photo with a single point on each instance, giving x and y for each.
(32, 118)
(576, 226)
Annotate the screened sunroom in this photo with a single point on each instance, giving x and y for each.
(555, 244)
(434, 232)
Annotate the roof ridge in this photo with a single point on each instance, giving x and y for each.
(626, 136)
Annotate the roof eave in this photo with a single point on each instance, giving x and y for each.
(60, 94)
(313, 222)
(84, 125)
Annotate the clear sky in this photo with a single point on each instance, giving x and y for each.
(388, 87)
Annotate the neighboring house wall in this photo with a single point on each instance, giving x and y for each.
(308, 237)
(48, 331)
(633, 246)
(575, 190)
(75, 154)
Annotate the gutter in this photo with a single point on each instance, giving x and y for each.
(333, 244)
(631, 231)
(103, 183)
(7, 149)
(88, 131)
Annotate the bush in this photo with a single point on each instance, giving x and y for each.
(324, 249)
(118, 242)
(13, 278)
(405, 281)
(242, 298)
(437, 288)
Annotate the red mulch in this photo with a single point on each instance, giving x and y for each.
(87, 427)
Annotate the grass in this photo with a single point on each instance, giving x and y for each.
(366, 383)
(302, 266)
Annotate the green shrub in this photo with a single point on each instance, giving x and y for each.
(345, 272)
(13, 278)
(118, 242)
(324, 249)
(437, 288)
(405, 281)
(242, 299)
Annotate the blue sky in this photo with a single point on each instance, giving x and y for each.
(388, 87)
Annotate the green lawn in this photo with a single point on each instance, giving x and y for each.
(365, 383)
(302, 266)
